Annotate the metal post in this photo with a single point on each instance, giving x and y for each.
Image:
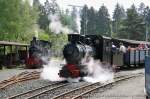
(111, 29)
(4, 49)
(11, 57)
(146, 35)
(135, 58)
(4, 59)
(85, 22)
(26, 51)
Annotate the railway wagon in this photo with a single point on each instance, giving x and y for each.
(134, 55)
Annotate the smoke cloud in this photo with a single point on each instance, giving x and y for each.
(97, 71)
(78, 20)
(56, 25)
(51, 70)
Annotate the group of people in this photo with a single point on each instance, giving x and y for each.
(124, 49)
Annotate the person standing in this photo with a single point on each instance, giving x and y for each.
(122, 48)
(113, 50)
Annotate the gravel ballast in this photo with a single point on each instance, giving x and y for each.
(129, 89)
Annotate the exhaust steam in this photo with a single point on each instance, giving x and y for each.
(98, 72)
(56, 25)
(51, 70)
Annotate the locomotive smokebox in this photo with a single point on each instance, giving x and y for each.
(73, 53)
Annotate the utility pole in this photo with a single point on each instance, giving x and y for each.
(111, 29)
(146, 35)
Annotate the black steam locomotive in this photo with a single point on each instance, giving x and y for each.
(99, 48)
(37, 50)
(77, 48)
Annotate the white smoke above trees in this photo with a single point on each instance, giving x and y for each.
(56, 26)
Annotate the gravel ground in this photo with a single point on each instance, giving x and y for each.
(129, 89)
(69, 87)
(31, 84)
(22, 87)
(127, 72)
(121, 88)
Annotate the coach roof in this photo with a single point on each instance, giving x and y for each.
(7, 43)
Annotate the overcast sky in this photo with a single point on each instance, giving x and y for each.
(110, 4)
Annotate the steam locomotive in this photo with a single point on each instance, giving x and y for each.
(78, 48)
(100, 48)
(37, 50)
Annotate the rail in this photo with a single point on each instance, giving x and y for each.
(79, 92)
(24, 76)
(31, 91)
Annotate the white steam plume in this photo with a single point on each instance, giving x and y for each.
(51, 70)
(78, 22)
(56, 25)
(97, 72)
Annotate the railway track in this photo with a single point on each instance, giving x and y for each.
(76, 93)
(38, 91)
(83, 90)
(24, 76)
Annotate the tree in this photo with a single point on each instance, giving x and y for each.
(16, 20)
(50, 7)
(66, 20)
(147, 21)
(8, 18)
(58, 42)
(141, 9)
(36, 4)
(47, 9)
(103, 22)
(144, 12)
(133, 26)
(118, 17)
(91, 21)
(74, 26)
(84, 20)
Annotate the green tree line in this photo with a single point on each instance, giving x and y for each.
(20, 21)
(17, 19)
(133, 23)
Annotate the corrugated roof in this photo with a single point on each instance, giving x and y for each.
(12, 43)
(135, 42)
(105, 37)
